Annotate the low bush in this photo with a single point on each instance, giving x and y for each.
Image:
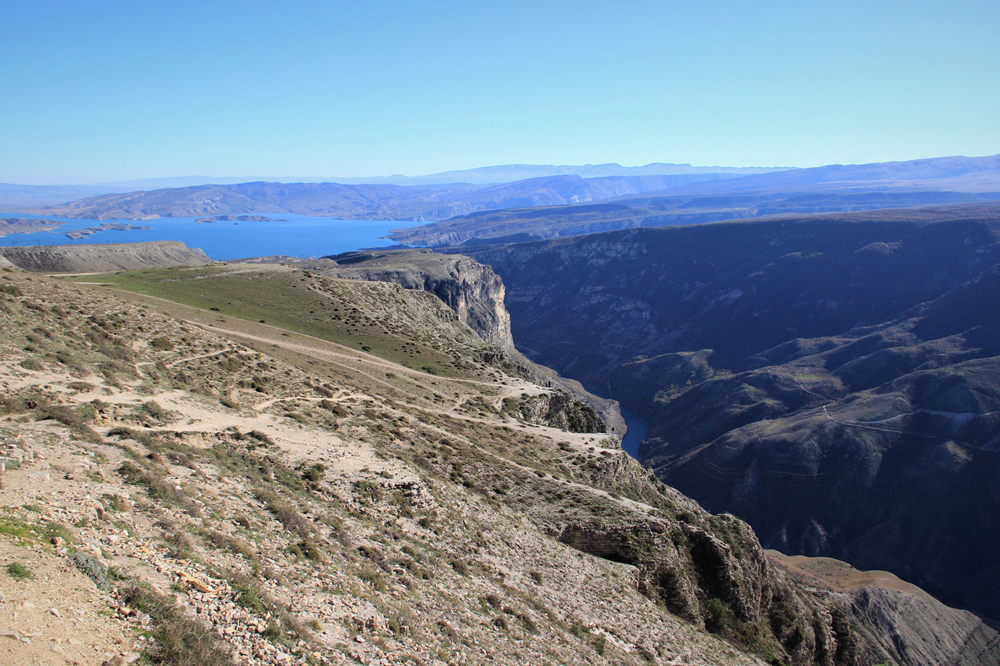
(161, 344)
(179, 640)
(19, 571)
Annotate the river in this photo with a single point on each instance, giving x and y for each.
(637, 431)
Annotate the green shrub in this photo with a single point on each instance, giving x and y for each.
(262, 437)
(93, 569)
(19, 571)
(368, 490)
(285, 512)
(374, 579)
(161, 344)
(180, 641)
(249, 594)
(153, 408)
(314, 473)
(234, 545)
(718, 617)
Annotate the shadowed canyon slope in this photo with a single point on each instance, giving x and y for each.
(832, 380)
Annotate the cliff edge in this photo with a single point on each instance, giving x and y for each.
(469, 288)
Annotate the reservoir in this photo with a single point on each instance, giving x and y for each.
(293, 235)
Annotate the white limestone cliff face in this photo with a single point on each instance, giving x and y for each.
(469, 288)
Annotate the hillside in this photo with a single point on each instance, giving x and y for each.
(834, 188)
(22, 225)
(14, 197)
(518, 225)
(956, 173)
(831, 380)
(349, 482)
(105, 257)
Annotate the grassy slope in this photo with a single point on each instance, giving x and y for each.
(302, 302)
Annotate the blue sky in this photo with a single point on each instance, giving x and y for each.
(104, 91)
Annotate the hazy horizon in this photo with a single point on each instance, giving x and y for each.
(225, 180)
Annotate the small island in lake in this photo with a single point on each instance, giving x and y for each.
(107, 226)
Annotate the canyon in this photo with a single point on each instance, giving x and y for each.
(832, 380)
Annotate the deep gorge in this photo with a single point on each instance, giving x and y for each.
(757, 351)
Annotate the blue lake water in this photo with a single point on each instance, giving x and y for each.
(638, 429)
(300, 236)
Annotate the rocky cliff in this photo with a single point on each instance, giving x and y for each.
(98, 258)
(903, 624)
(469, 288)
(559, 409)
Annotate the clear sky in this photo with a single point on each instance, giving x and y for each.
(105, 91)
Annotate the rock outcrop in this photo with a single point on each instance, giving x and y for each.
(558, 409)
(101, 258)
(901, 622)
(710, 570)
(469, 288)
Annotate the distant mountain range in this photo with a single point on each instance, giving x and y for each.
(653, 195)
(13, 196)
(374, 201)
